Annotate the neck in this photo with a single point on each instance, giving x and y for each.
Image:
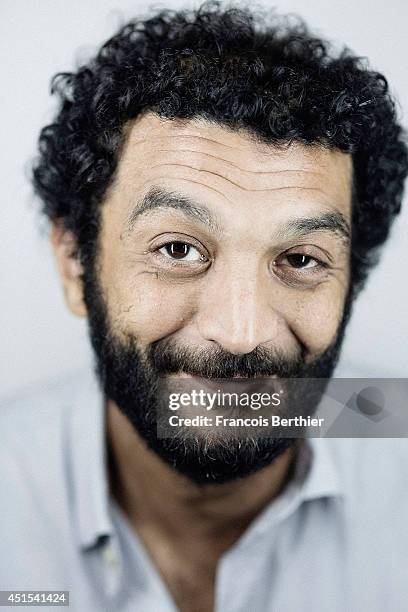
(150, 492)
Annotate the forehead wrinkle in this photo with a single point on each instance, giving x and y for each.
(241, 187)
(243, 139)
(189, 180)
(260, 155)
(182, 137)
(210, 140)
(238, 167)
(151, 126)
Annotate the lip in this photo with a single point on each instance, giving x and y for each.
(237, 384)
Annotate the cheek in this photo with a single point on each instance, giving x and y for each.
(315, 318)
(139, 303)
(146, 307)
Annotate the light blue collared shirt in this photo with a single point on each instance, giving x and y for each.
(335, 540)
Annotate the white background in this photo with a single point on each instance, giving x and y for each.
(39, 339)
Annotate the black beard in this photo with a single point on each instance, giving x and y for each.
(130, 379)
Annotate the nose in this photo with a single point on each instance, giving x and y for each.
(236, 311)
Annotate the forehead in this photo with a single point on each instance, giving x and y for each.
(216, 164)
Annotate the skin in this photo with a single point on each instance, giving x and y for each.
(235, 288)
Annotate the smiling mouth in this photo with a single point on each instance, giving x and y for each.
(198, 377)
(232, 384)
(191, 375)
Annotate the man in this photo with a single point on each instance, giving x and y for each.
(218, 189)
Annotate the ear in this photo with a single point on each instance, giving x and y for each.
(70, 269)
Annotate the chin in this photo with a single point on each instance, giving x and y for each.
(219, 461)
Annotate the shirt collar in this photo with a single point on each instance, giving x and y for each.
(315, 477)
(88, 465)
(322, 478)
(316, 474)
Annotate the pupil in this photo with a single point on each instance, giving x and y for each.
(297, 260)
(179, 249)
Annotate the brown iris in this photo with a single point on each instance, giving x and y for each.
(177, 250)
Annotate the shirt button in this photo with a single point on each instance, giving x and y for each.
(110, 556)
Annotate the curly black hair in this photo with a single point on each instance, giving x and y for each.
(268, 75)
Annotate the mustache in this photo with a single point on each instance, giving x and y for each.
(169, 358)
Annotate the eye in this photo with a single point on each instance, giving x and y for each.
(300, 269)
(300, 261)
(181, 251)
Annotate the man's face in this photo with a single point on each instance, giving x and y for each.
(223, 248)
(234, 262)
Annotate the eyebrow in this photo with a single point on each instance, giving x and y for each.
(157, 198)
(333, 222)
